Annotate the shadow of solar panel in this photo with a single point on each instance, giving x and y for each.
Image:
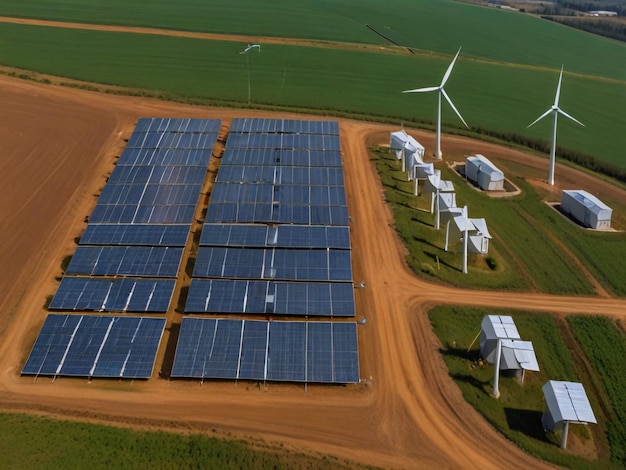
(286, 353)
(113, 295)
(253, 350)
(135, 234)
(95, 346)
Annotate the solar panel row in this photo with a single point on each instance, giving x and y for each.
(282, 236)
(140, 261)
(285, 126)
(322, 352)
(273, 263)
(282, 157)
(151, 174)
(113, 295)
(285, 141)
(331, 299)
(164, 157)
(269, 213)
(96, 346)
(135, 234)
(281, 175)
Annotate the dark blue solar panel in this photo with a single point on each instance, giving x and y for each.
(155, 261)
(280, 236)
(222, 360)
(345, 353)
(253, 350)
(261, 350)
(286, 356)
(319, 360)
(278, 263)
(113, 295)
(195, 342)
(96, 346)
(142, 214)
(135, 234)
(226, 296)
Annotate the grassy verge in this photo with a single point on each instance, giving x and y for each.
(523, 254)
(605, 346)
(42, 443)
(517, 413)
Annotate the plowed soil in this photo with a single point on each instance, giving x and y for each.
(59, 145)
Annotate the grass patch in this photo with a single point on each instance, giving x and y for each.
(43, 443)
(605, 346)
(517, 413)
(523, 254)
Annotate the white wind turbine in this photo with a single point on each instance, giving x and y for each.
(246, 51)
(556, 110)
(440, 91)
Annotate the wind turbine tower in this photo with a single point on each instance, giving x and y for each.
(440, 91)
(246, 51)
(556, 110)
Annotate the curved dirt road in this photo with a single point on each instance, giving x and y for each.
(410, 414)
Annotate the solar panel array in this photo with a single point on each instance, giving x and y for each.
(95, 346)
(294, 351)
(276, 241)
(134, 242)
(129, 255)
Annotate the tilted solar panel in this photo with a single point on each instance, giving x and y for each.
(96, 346)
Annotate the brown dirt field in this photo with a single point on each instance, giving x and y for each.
(59, 145)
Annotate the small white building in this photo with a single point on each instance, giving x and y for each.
(566, 402)
(586, 209)
(485, 174)
(478, 242)
(406, 146)
(501, 345)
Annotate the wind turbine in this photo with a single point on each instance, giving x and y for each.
(556, 110)
(440, 91)
(245, 51)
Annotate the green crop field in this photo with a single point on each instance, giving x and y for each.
(42, 443)
(524, 247)
(517, 413)
(500, 83)
(605, 346)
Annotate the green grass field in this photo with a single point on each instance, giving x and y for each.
(499, 83)
(517, 413)
(42, 443)
(524, 247)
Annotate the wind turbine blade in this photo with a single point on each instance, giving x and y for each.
(451, 104)
(422, 90)
(571, 117)
(558, 89)
(540, 117)
(449, 71)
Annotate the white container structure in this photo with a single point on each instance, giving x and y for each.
(435, 185)
(420, 173)
(479, 240)
(406, 148)
(501, 345)
(485, 174)
(586, 209)
(566, 403)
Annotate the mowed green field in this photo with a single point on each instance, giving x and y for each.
(506, 76)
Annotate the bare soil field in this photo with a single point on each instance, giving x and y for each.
(59, 145)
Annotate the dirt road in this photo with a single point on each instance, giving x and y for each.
(59, 146)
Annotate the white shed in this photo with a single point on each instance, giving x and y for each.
(501, 345)
(405, 145)
(586, 209)
(566, 403)
(479, 239)
(485, 174)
